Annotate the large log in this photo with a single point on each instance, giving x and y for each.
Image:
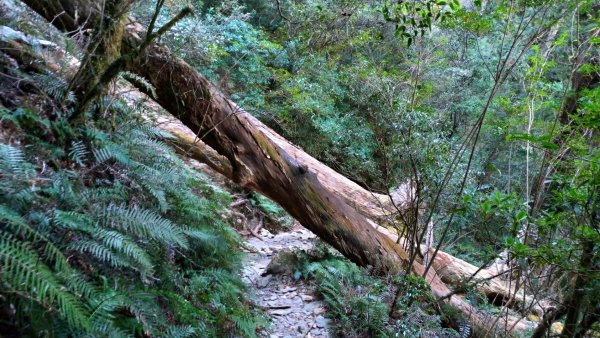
(325, 202)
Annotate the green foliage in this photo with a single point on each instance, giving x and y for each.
(414, 17)
(358, 304)
(105, 232)
(272, 210)
(492, 219)
(354, 300)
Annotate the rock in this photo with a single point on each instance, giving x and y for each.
(307, 298)
(290, 304)
(556, 328)
(280, 312)
(282, 263)
(264, 281)
(321, 322)
(280, 304)
(287, 289)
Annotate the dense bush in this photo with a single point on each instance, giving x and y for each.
(105, 232)
(359, 304)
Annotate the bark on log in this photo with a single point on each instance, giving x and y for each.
(325, 202)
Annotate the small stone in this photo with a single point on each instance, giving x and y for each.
(318, 310)
(307, 298)
(280, 312)
(280, 304)
(321, 321)
(288, 289)
(263, 282)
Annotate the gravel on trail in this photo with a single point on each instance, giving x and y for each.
(291, 305)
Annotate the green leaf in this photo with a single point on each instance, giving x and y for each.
(550, 145)
(521, 215)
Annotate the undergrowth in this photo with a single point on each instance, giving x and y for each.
(359, 304)
(104, 231)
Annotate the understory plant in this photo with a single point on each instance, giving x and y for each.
(358, 303)
(104, 231)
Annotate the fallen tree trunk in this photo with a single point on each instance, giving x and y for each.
(325, 202)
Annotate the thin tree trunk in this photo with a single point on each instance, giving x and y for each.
(575, 302)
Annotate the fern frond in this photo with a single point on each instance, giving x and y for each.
(141, 140)
(245, 324)
(72, 220)
(103, 314)
(155, 190)
(13, 221)
(56, 87)
(155, 132)
(111, 240)
(121, 243)
(180, 331)
(23, 271)
(102, 195)
(78, 152)
(144, 223)
(145, 309)
(140, 81)
(100, 251)
(111, 151)
(202, 236)
(12, 161)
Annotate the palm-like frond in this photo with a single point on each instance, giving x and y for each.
(144, 223)
(24, 271)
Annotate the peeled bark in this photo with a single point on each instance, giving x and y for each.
(324, 201)
(333, 207)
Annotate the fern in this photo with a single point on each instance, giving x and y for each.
(141, 140)
(23, 271)
(93, 196)
(155, 132)
(56, 87)
(144, 223)
(111, 151)
(114, 202)
(12, 161)
(17, 224)
(121, 243)
(78, 152)
(180, 331)
(140, 81)
(203, 236)
(102, 314)
(112, 240)
(100, 251)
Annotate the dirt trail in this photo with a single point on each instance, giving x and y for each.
(291, 305)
